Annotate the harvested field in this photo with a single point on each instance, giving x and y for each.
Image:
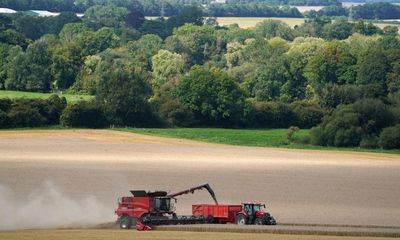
(128, 235)
(321, 230)
(86, 170)
(304, 9)
(249, 22)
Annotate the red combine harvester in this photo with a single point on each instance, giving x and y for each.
(156, 208)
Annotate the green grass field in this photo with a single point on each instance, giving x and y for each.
(244, 137)
(105, 234)
(18, 94)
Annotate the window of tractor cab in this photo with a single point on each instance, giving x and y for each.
(257, 208)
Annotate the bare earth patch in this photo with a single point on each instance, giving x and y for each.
(298, 186)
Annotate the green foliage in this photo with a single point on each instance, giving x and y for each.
(175, 113)
(167, 66)
(12, 37)
(30, 70)
(194, 43)
(99, 16)
(307, 114)
(191, 72)
(189, 15)
(373, 66)
(273, 115)
(67, 60)
(290, 134)
(25, 115)
(369, 142)
(349, 124)
(84, 114)
(212, 95)
(54, 107)
(269, 80)
(34, 27)
(31, 112)
(379, 10)
(70, 31)
(274, 28)
(367, 29)
(96, 42)
(4, 121)
(332, 65)
(144, 49)
(5, 104)
(123, 90)
(390, 137)
(339, 29)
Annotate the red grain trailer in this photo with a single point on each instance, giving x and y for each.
(217, 213)
(247, 213)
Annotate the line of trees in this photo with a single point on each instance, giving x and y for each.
(149, 7)
(340, 77)
(236, 8)
(372, 11)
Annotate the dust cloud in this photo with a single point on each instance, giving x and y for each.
(48, 207)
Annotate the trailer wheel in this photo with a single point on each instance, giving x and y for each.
(241, 219)
(202, 219)
(210, 219)
(125, 222)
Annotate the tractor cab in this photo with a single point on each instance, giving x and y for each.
(253, 208)
(254, 213)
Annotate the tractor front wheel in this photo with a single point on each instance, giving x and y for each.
(259, 221)
(125, 222)
(241, 219)
(271, 221)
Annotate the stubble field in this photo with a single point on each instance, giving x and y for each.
(72, 178)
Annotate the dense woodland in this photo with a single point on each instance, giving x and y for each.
(149, 7)
(236, 8)
(339, 78)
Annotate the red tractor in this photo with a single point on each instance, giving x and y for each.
(155, 208)
(253, 213)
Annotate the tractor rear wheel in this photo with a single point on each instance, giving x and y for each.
(259, 221)
(125, 222)
(241, 219)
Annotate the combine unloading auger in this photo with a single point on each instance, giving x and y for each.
(191, 190)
